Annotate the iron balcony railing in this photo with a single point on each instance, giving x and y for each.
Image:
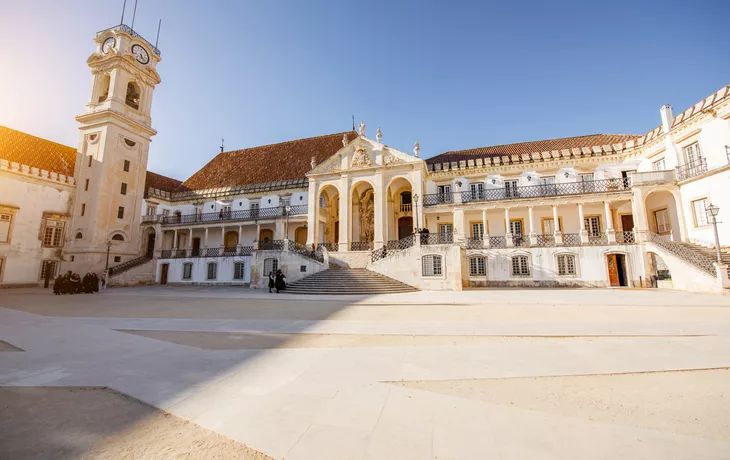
(532, 191)
(303, 251)
(393, 247)
(498, 241)
(597, 238)
(130, 31)
(571, 239)
(626, 237)
(436, 238)
(271, 245)
(330, 247)
(361, 246)
(692, 169)
(548, 240)
(230, 216)
(689, 255)
(545, 240)
(206, 252)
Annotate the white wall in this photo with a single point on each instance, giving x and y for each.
(406, 267)
(200, 270)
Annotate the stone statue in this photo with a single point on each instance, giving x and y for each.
(313, 162)
(416, 149)
(344, 140)
(379, 135)
(361, 128)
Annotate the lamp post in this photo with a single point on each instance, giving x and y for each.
(108, 248)
(415, 210)
(714, 210)
(287, 209)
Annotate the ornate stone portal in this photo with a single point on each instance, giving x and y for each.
(367, 216)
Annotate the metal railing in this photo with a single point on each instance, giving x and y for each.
(151, 218)
(206, 252)
(303, 251)
(626, 237)
(544, 240)
(229, 216)
(436, 238)
(532, 191)
(128, 265)
(571, 239)
(689, 170)
(474, 243)
(393, 247)
(691, 256)
(361, 246)
(597, 238)
(653, 177)
(331, 247)
(520, 240)
(270, 245)
(498, 241)
(130, 31)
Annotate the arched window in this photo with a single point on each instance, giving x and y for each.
(133, 95)
(79, 235)
(118, 237)
(566, 264)
(104, 88)
(520, 266)
(431, 265)
(477, 266)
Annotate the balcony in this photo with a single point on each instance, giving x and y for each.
(206, 252)
(531, 191)
(653, 177)
(230, 216)
(692, 169)
(406, 207)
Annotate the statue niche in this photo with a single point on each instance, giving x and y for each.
(367, 216)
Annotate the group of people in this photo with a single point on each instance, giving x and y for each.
(276, 281)
(73, 283)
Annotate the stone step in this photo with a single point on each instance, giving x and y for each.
(343, 281)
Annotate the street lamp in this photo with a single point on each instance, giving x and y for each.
(415, 209)
(713, 211)
(287, 209)
(108, 248)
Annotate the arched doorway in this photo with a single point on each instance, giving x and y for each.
(400, 212)
(660, 275)
(300, 235)
(266, 235)
(662, 214)
(230, 242)
(328, 217)
(148, 241)
(363, 217)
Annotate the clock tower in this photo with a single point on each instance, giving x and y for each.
(111, 164)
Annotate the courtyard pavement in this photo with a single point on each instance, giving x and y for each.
(497, 374)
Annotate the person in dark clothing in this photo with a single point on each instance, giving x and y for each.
(280, 284)
(272, 281)
(95, 282)
(57, 285)
(74, 283)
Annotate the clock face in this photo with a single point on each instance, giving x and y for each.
(108, 45)
(140, 54)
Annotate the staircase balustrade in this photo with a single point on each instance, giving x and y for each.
(686, 253)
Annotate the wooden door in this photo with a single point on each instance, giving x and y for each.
(150, 244)
(613, 277)
(196, 247)
(627, 222)
(337, 232)
(163, 276)
(405, 227)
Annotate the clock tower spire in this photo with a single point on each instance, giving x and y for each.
(114, 139)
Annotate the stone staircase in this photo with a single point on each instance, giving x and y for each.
(700, 257)
(708, 253)
(348, 281)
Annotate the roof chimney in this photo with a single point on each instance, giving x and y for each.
(667, 117)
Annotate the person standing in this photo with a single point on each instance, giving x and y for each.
(272, 281)
(103, 281)
(280, 283)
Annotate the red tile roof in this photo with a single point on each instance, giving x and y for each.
(19, 147)
(160, 182)
(532, 147)
(266, 163)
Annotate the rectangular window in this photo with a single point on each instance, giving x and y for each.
(270, 266)
(225, 211)
(212, 271)
(566, 264)
(548, 225)
(239, 270)
(477, 230)
(187, 271)
(431, 265)
(515, 227)
(477, 267)
(165, 212)
(53, 233)
(510, 188)
(593, 225)
(5, 221)
(126, 165)
(520, 266)
(83, 209)
(446, 233)
(321, 202)
(692, 154)
(661, 218)
(444, 194)
(86, 185)
(117, 258)
(659, 165)
(120, 212)
(48, 268)
(548, 180)
(255, 209)
(90, 160)
(151, 210)
(477, 191)
(123, 191)
(699, 207)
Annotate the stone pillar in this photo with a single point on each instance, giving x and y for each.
(484, 223)
(312, 210)
(557, 234)
(459, 219)
(279, 229)
(532, 237)
(240, 235)
(205, 242)
(722, 279)
(223, 238)
(190, 243)
(379, 219)
(345, 213)
(174, 240)
(610, 232)
(583, 231)
(508, 231)
(258, 231)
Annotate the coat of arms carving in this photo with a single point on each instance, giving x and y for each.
(361, 159)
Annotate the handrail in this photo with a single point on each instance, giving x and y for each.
(394, 247)
(241, 214)
(128, 265)
(690, 256)
(130, 31)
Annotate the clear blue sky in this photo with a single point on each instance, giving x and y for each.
(451, 74)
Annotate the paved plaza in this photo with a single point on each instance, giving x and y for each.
(498, 374)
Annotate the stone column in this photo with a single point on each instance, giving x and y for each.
(223, 239)
(240, 235)
(174, 240)
(345, 213)
(721, 271)
(312, 210)
(205, 242)
(279, 229)
(583, 231)
(485, 237)
(610, 232)
(190, 243)
(557, 234)
(379, 219)
(508, 231)
(258, 231)
(459, 228)
(532, 237)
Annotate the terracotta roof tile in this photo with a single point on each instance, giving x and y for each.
(266, 163)
(19, 147)
(160, 182)
(522, 148)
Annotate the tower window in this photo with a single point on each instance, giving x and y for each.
(90, 160)
(86, 186)
(83, 209)
(132, 98)
(120, 212)
(124, 189)
(104, 88)
(126, 165)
